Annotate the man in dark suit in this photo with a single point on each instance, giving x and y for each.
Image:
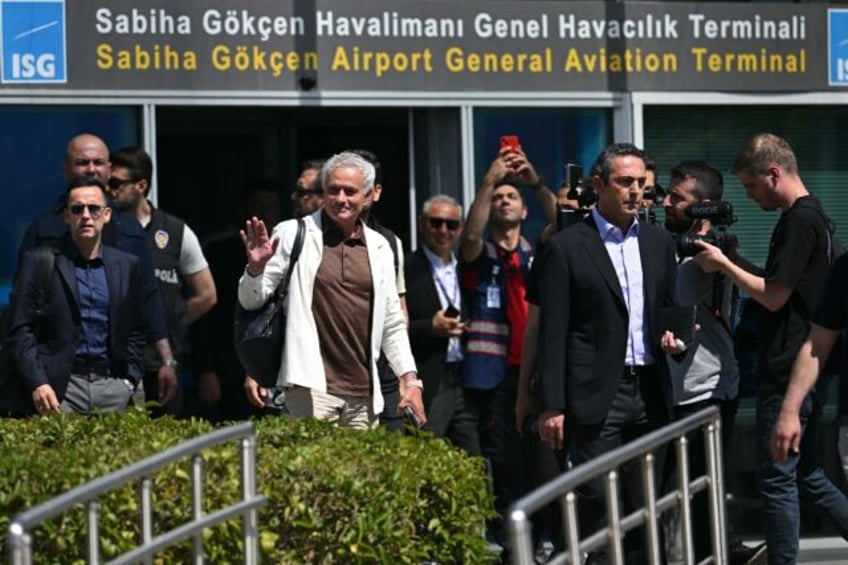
(88, 155)
(84, 352)
(437, 317)
(601, 367)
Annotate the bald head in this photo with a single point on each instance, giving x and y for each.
(87, 155)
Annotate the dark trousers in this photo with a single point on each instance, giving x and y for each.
(449, 413)
(637, 409)
(390, 418)
(151, 396)
(780, 483)
(508, 453)
(701, 535)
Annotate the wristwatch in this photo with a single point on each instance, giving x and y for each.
(170, 363)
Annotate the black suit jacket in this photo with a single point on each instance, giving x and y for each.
(584, 319)
(429, 350)
(47, 358)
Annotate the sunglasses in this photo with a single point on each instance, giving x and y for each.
(116, 183)
(94, 209)
(301, 193)
(437, 223)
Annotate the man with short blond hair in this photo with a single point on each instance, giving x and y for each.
(797, 267)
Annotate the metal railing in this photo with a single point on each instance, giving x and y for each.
(20, 540)
(563, 489)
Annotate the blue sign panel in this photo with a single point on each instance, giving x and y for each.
(837, 47)
(33, 41)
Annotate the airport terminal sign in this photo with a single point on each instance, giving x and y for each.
(420, 46)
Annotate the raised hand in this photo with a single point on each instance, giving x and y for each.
(257, 244)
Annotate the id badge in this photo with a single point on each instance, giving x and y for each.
(493, 296)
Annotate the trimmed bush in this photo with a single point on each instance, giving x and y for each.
(334, 495)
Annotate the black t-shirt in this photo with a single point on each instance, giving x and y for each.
(832, 313)
(798, 258)
(832, 309)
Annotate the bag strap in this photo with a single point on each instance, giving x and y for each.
(295, 253)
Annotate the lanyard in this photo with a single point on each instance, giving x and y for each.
(444, 291)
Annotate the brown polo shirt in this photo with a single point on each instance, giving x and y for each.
(341, 304)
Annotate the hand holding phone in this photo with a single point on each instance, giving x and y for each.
(451, 311)
(410, 417)
(573, 174)
(510, 141)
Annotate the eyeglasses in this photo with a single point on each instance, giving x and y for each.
(302, 193)
(86, 162)
(116, 183)
(93, 209)
(437, 223)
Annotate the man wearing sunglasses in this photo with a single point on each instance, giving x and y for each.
(82, 353)
(183, 275)
(88, 155)
(437, 322)
(307, 195)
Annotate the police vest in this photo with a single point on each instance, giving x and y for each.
(165, 238)
(485, 357)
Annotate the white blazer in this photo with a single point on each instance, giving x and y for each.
(302, 363)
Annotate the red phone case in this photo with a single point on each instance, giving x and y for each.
(510, 141)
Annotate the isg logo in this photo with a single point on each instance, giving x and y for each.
(837, 47)
(33, 41)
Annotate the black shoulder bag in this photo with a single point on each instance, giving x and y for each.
(260, 334)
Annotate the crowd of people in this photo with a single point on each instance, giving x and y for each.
(538, 356)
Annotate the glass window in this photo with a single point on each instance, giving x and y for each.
(715, 133)
(551, 138)
(32, 149)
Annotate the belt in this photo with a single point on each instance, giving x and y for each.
(92, 373)
(632, 371)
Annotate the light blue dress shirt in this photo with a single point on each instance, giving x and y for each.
(623, 250)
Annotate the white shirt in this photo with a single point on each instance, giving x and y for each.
(447, 287)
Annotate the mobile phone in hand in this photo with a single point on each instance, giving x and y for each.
(573, 174)
(451, 311)
(409, 416)
(275, 398)
(510, 141)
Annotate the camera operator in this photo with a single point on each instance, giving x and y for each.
(705, 373)
(796, 269)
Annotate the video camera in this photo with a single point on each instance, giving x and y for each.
(655, 194)
(581, 190)
(721, 215)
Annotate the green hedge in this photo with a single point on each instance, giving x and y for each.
(335, 495)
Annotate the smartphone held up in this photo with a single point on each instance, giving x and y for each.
(510, 141)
